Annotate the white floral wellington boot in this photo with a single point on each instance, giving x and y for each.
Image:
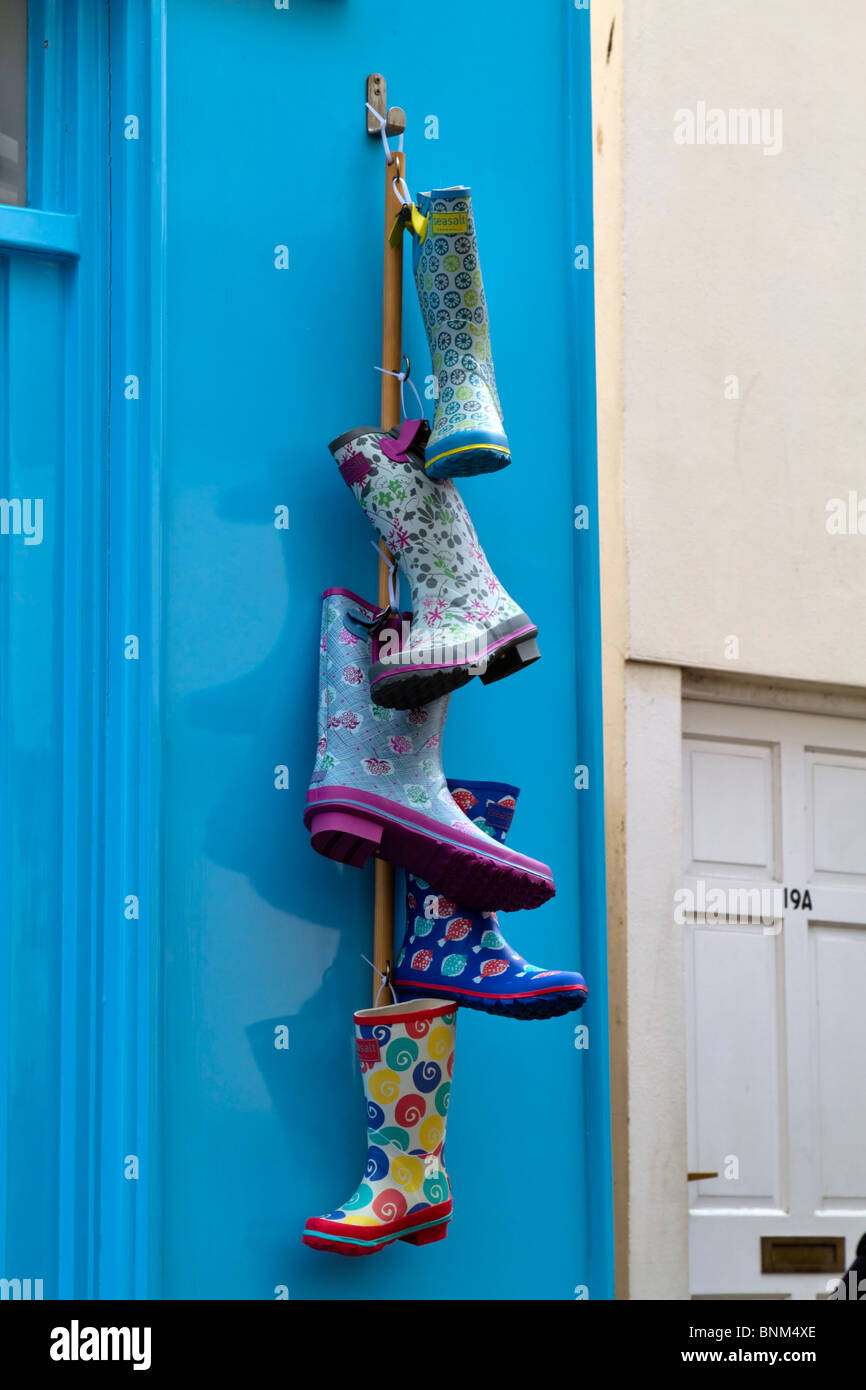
(463, 621)
(378, 786)
(406, 1053)
(468, 435)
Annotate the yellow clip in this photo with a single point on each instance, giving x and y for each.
(408, 217)
(395, 235)
(419, 224)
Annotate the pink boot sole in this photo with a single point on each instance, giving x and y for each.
(481, 873)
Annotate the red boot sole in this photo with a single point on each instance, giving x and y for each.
(337, 1244)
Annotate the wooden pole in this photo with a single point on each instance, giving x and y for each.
(392, 319)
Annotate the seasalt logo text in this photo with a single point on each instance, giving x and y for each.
(448, 223)
(76, 1343)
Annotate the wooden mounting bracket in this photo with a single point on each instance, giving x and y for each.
(377, 96)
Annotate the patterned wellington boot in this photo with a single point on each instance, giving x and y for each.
(468, 436)
(453, 952)
(407, 1059)
(463, 622)
(378, 786)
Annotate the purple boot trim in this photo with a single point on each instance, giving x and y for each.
(451, 950)
(397, 449)
(350, 825)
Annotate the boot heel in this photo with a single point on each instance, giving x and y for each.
(427, 1237)
(511, 660)
(345, 836)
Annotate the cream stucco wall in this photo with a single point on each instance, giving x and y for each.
(743, 264)
(656, 1242)
(731, 338)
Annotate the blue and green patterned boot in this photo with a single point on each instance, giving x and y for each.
(452, 952)
(468, 436)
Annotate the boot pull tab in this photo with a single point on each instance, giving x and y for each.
(397, 442)
(363, 626)
(397, 447)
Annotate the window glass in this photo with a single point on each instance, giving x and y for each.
(13, 101)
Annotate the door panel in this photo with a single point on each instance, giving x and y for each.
(837, 800)
(777, 952)
(838, 970)
(738, 1087)
(729, 801)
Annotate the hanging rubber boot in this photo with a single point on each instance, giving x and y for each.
(468, 435)
(455, 952)
(407, 1059)
(463, 622)
(378, 786)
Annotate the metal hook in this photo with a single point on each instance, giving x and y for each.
(408, 367)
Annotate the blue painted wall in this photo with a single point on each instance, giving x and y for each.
(253, 138)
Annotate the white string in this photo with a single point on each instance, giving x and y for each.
(382, 131)
(383, 977)
(392, 573)
(403, 378)
(405, 197)
(406, 201)
(379, 991)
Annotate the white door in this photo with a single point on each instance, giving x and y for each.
(774, 910)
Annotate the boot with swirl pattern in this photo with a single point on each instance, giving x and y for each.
(406, 1052)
